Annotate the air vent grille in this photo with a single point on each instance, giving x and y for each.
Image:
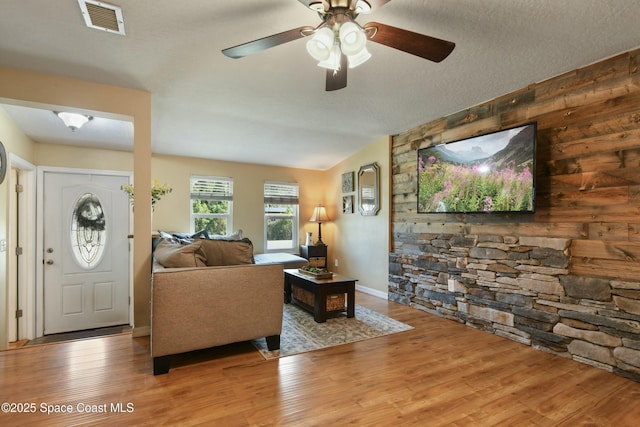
(102, 16)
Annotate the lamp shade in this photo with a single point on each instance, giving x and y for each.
(320, 45)
(73, 121)
(333, 61)
(363, 7)
(352, 39)
(358, 58)
(319, 215)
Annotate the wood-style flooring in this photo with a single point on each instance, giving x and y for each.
(440, 373)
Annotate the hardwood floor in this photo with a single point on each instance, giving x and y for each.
(440, 373)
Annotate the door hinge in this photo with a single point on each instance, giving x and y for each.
(19, 188)
(18, 251)
(129, 300)
(18, 313)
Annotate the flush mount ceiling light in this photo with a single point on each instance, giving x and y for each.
(73, 121)
(102, 16)
(340, 41)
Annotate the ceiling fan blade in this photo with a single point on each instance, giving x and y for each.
(417, 44)
(337, 79)
(264, 43)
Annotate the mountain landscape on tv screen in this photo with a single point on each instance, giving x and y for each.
(518, 152)
(487, 173)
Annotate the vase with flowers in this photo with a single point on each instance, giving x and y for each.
(157, 192)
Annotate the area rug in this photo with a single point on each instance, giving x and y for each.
(300, 333)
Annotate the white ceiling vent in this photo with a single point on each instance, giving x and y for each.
(102, 16)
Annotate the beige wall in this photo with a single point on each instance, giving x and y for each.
(360, 243)
(54, 91)
(68, 156)
(361, 252)
(172, 212)
(15, 142)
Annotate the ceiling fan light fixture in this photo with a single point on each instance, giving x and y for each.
(352, 38)
(321, 44)
(363, 7)
(317, 6)
(333, 61)
(359, 58)
(73, 121)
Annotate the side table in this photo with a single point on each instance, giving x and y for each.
(316, 254)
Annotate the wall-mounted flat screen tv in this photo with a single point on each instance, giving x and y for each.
(490, 173)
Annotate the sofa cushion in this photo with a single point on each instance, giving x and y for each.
(172, 254)
(287, 260)
(227, 252)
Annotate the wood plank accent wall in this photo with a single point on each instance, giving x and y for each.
(565, 279)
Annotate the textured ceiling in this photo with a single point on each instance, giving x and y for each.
(271, 107)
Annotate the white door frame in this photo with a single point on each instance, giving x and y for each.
(40, 239)
(25, 266)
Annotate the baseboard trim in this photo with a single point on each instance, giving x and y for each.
(374, 292)
(141, 331)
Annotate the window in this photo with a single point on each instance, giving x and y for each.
(88, 231)
(211, 204)
(280, 216)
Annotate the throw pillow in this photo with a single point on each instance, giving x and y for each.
(176, 255)
(228, 252)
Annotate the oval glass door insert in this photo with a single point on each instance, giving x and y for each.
(88, 231)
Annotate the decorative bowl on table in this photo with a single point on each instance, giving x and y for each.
(316, 273)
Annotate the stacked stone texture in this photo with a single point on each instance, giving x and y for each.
(520, 288)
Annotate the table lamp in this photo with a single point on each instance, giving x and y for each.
(319, 216)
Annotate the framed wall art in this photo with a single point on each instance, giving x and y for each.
(347, 204)
(347, 182)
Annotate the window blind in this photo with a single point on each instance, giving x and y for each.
(212, 188)
(276, 193)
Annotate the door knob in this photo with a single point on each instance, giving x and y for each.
(49, 261)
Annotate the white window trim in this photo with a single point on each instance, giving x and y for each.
(228, 216)
(295, 217)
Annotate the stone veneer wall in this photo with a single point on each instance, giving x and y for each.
(565, 279)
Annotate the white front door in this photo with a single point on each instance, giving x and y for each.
(86, 251)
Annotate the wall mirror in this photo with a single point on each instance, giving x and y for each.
(368, 193)
(3, 162)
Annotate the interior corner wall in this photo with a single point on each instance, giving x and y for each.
(18, 143)
(45, 89)
(566, 279)
(360, 243)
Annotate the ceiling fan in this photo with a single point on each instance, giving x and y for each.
(340, 42)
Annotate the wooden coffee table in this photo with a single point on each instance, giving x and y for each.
(320, 288)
